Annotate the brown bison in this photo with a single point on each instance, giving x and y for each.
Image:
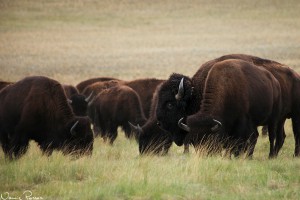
(114, 107)
(78, 102)
(82, 85)
(231, 104)
(144, 87)
(36, 108)
(290, 87)
(229, 110)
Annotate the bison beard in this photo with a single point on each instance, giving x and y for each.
(36, 108)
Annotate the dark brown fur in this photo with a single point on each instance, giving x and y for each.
(145, 89)
(231, 96)
(98, 87)
(36, 108)
(114, 107)
(82, 85)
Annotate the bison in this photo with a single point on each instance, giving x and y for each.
(231, 104)
(144, 87)
(36, 108)
(229, 107)
(289, 82)
(114, 107)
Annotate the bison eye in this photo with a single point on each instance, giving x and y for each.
(170, 106)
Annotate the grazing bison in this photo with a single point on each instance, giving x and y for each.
(144, 87)
(78, 102)
(151, 138)
(114, 107)
(36, 108)
(229, 107)
(289, 82)
(82, 85)
(230, 104)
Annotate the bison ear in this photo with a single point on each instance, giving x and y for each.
(69, 101)
(216, 127)
(72, 130)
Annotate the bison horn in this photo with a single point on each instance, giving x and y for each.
(180, 93)
(217, 126)
(89, 97)
(137, 128)
(72, 130)
(183, 126)
(69, 101)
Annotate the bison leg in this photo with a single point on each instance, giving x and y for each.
(251, 143)
(186, 149)
(20, 146)
(296, 130)
(127, 130)
(272, 153)
(280, 137)
(112, 134)
(6, 147)
(264, 131)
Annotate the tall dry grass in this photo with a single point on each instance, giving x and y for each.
(75, 40)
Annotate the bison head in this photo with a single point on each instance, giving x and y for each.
(152, 139)
(79, 104)
(201, 129)
(80, 139)
(174, 99)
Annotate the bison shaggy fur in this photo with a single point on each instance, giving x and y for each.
(36, 108)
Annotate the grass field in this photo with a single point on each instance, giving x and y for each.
(74, 40)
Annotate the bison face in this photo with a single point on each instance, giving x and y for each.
(153, 140)
(203, 131)
(81, 137)
(79, 104)
(174, 98)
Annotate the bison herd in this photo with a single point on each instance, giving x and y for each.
(221, 105)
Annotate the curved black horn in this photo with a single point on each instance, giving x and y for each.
(69, 101)
(183, 126)
(217, 126)
(180, 93)
(89, 97)
(73, 127)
